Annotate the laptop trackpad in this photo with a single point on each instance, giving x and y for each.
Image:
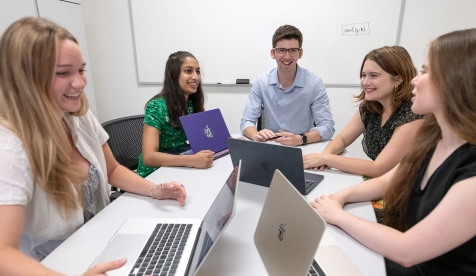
(333, 260)
(123, 246)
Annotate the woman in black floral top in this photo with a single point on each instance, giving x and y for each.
(384, 117)
(182, 94)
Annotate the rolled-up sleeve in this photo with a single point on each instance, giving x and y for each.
(253, 107)
(322, 112)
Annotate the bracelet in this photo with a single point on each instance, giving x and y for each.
(151, 189)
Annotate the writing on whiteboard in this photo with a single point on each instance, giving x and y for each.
(356, 29)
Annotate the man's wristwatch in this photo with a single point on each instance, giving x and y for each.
(304, 138)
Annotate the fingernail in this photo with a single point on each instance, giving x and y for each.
(123, 260)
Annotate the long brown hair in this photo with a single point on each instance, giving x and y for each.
(28, 56)
(452, 68)
(396, 61)
(173, 94)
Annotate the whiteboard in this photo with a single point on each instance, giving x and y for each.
(232, 39)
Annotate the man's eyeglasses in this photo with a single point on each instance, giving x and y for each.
(282, 51)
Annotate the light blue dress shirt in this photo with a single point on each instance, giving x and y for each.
(292, 110)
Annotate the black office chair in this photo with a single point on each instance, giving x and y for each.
(125, 141)
(261, 123)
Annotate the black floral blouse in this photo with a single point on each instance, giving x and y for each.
(376, 137)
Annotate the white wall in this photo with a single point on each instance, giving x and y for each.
(109, 34)
(11, 11)
(70, 16)
(424, 20)
(67, 14)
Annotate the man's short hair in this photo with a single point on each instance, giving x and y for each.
(287, 32)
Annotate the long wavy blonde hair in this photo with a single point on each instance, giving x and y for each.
(452, 68)
(28, 56)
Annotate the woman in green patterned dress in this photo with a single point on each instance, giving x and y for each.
(181, 94)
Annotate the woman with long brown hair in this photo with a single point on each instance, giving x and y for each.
(182, 94)
(55, 163)
(430, 211)
(384, 117)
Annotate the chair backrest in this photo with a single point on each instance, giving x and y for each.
(125, 139)
(261, 123)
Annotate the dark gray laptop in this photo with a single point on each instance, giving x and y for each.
(260, 160)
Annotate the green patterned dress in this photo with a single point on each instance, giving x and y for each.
(156, 115)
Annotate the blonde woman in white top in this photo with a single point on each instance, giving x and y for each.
(55, 162)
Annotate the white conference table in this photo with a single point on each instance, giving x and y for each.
(235, 253)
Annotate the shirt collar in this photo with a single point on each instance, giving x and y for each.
(274, 76)
(298, 80)
(71, 123)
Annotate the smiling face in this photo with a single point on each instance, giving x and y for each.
(69, 79)
(377, 84)
(424, 95)
(287, 62)
(190, 77)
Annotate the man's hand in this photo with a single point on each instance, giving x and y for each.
(288, 139)
(264, 135)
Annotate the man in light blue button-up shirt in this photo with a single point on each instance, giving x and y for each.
(296, 106)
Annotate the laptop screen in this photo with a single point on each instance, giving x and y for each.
(215, 220)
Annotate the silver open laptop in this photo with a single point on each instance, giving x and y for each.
(289, 232)
(171, 246)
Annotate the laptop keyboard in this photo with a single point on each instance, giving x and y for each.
(220, 154)
(308, 183)
(215, 156)
(162, 252)
(315, 270)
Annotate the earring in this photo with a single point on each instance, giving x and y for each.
(396, 87)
